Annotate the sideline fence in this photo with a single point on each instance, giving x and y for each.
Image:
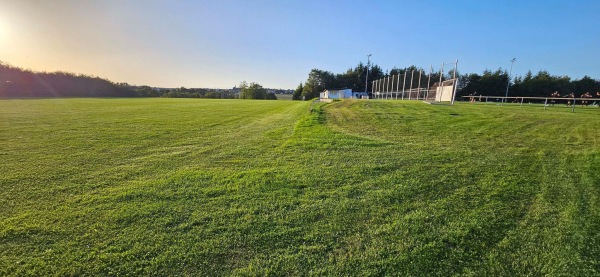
(546, 101)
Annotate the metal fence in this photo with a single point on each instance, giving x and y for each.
(571, 102)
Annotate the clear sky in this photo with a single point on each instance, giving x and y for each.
(219, 43)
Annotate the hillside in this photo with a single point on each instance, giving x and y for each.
(198, 187)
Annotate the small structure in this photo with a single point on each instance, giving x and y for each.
(342, 94)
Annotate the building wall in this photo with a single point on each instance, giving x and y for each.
(337, 94)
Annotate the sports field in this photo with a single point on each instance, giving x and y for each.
(170, 187)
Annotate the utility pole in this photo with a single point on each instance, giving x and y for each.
(367, 77)
(509, 74)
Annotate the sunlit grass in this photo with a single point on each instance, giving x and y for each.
(205, 187)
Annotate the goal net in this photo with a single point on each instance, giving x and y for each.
(442, 92)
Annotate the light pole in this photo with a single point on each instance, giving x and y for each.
(367, 77)
(509, 74)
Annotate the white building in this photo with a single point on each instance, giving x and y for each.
(342, 94)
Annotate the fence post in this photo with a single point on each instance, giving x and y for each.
(428, 81)
(419, 86)
(412, 73)
(397, 85)
(403, 84)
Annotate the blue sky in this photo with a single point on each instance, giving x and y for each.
(276, 43)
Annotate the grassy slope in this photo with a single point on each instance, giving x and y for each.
(180, 186)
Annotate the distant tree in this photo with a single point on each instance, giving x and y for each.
(528, 76)
(489, 84)
(396, 71)
(255, 91)
(146, 91)
(309, 91)
(298, 92)
(318, 81)
(471, 84)
(271, 96)
(586, 84)
(542, 84)
(494, 83)
(212, 94)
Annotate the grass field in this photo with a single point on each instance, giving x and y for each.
(169, 187)
(284, 96)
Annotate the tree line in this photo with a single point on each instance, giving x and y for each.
(16, 82)
(489, 83)
(542, 84)
(183, 92)
(255, 91)
(244, 91)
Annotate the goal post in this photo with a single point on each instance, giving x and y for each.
(404, 86)
(445, 92)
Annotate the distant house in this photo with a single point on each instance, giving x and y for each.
(342, 94)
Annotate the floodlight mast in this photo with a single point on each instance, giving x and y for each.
(367, 77)
(509, 74)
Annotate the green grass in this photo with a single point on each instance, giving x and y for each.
(284, 96)
(229, 187)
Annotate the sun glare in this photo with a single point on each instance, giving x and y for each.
(4, 27)
(5, 35)
(3, 31)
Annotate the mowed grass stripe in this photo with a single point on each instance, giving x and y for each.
(513, 142)
(186, 186)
